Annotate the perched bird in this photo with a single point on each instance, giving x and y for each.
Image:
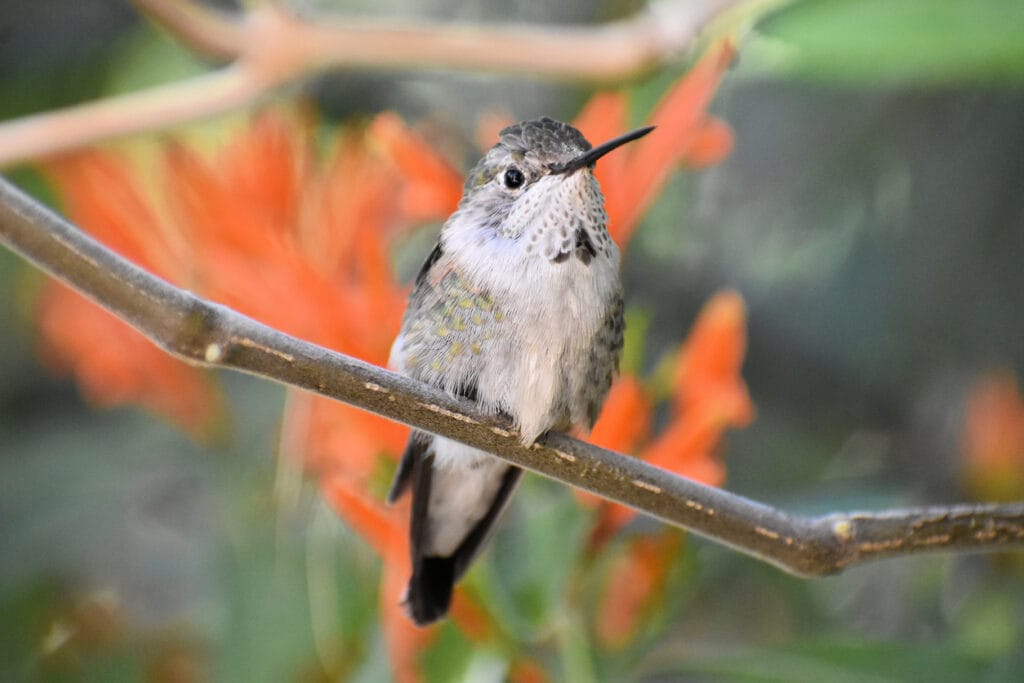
(519, 309)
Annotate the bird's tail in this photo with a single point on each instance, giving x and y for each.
(429, 593)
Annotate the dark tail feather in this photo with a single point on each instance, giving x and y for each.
(472, 544)
(429, 594)
(415, 450)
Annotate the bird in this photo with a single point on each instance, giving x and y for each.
(519, 309)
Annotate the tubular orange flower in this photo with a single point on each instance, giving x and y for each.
(710, 145)
(304, 247)
(527, 671)
(634, 582)
(708, 397)
(626, 417)
(624, 424)
(384, 528)
(992, 448)
(707, 373)
(435, 188)
(633, 177)
(604, 117)
(474, 621)
(688, 446)
(682, 118)
(115, 365)
(112, 363)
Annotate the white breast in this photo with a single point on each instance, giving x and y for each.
(553, 310)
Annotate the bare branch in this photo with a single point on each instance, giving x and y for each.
(199, 27)
(610, 52)
(50, 132)
(209, 334)
(269, 48)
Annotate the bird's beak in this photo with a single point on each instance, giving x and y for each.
(590, 157)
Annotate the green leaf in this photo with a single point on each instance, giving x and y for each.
(529, 569)
(574, 650)
(638, 321)
(448, 656)
(927, 42)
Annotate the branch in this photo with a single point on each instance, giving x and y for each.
(270, 48)
(209, 334)
(57, 131)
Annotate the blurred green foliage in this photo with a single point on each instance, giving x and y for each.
(911, 42)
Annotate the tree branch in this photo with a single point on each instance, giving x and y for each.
(209, 334)
(56, 131)
(269, 48)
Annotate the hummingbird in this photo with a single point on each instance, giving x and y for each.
(518, 308)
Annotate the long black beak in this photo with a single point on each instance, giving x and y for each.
(590, 157)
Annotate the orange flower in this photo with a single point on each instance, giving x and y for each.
(993, 439)
(303, 246)
(708, 366)
(385, 529)
(633, 585)
(626, 416)
(471, 616)
(709, 392)
(708, 397)
(527, 671)
(114, 364)
(624, 424)
(435, 188)
(633, 177)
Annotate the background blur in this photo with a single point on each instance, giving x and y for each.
(871, 214)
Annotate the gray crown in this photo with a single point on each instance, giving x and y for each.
(545, 137)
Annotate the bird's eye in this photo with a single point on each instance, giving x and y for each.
(514, 178)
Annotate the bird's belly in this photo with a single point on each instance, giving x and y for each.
(533, 372)
(517, 339)
(464, 483)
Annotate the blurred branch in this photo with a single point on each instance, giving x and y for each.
(42, 134)
(269, 48)
(209, 334)
(201, 28)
